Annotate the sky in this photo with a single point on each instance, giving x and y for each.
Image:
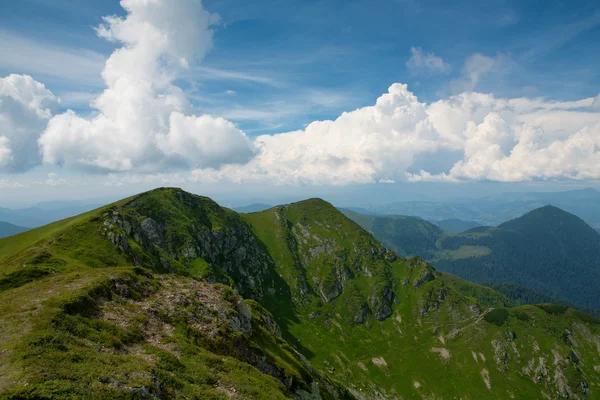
(353, 100)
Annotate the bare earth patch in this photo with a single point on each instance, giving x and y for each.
(442, 351)
(486, 378)
(380, 362)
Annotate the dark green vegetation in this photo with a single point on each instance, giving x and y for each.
(7, 229)
(547, 250)
(137, 300)
(547, 254)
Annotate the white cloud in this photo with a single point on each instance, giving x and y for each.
(55, 180)
(596, 102)
(490, 139)
(25, 107)
(510, 141)
(478, 66)
(429, 62)
(8, 184)
(355, 148)
(209, 74)
(143, 121)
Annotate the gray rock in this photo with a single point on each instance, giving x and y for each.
(153, 233)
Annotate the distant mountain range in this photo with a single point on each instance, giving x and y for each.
(7, 229)
(547, 250)
(456, 225)
(256, 207)
(43, 213)
(494, 210)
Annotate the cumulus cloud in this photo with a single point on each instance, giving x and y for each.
(144, 122)
(427, 62)
(354, 148)
(25, 108)
(490, 139)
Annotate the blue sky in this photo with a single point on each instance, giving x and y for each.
(293, 62)
(276, 66)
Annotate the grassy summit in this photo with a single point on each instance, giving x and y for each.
(168, 295)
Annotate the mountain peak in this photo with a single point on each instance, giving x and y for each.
(312, 202)
(546, 215)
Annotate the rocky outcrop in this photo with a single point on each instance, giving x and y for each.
(162, 244)
(432, 300)
(381, 303)
(426, 275)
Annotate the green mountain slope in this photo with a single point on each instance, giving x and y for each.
(80, 320)
(7, 229)
(432, 330)
(547, 250)
(407, 236)
(135, 300)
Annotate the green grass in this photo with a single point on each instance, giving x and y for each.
(484, 295)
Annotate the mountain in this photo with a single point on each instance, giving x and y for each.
(547, 250)
(256, 207)
(407, 236)
(43, 213)
(454, 225)
(168, 295)
(494, 210)
(7, 229)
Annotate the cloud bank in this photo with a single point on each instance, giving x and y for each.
(25, 108)
(505, 140)
(144, 128)
(143, 120)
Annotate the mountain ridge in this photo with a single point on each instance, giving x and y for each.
(8, 229)
(320, 310)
